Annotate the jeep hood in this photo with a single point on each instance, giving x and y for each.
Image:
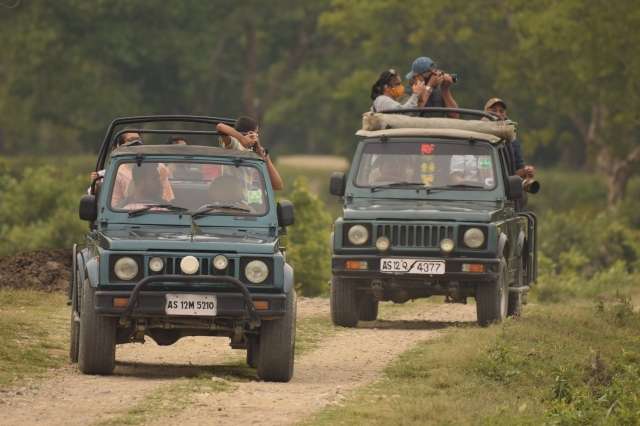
(181, 239)
(459, 211)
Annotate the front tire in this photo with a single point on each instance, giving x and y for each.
(344, 303)
(74, 326)
(97, 349)
(253, 351)
(277, 345)
(492, 299)
(368, 308)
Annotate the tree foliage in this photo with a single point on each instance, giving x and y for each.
(568, 70)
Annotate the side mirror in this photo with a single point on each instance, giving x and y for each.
(285, 213)
(336, 184)
(515, 191)
(88, 208)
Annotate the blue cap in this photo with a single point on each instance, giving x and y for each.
(420, 66)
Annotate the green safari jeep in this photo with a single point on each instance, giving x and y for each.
(184, 240)
(432, 206)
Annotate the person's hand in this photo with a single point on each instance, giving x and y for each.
(447, 80)
(253, 137)
(529, 171)
(418, 87)
(260, 150)
(435, 80)
(93, 176)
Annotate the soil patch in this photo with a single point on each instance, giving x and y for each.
(44, 270)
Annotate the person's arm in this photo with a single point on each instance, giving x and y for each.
(276, 180)
(227, 130)
(447, 96)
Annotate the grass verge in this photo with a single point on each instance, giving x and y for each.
(34, 328)
(560, 364)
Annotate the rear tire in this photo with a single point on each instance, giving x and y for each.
(368, 308)
(277, 345)
(515, 305)
(492, 299)
(97, 349)
(344, 303)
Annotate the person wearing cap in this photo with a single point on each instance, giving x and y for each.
(388, 89)
(498, 107)
(437, 84)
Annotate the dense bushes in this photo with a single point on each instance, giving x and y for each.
(309, 249)
(585, 250)
(39, 208)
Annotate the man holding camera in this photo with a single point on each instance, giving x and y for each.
(246, 136)
(438, 84)
(498, 107)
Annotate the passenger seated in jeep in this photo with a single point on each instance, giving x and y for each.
(471, 170)
(144, 188)
(228, 189)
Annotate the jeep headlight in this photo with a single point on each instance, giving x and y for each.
(256, 271)
(156, 264)
(189, 265)
(125, 268)
(220, 262)
(358, 235)
(473, 238)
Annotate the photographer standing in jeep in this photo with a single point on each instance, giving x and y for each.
(438, 84)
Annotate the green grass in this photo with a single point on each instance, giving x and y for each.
(570, 364)
(34, 328)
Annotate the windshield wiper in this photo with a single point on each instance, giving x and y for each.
(148, 207)
(208, 208)
(398, 185)
(454, 186)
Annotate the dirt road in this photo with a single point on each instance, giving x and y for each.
(342, 361)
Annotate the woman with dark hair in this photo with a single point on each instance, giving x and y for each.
(388, 89)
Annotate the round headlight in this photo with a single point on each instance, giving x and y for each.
(156, 264)
(220, 262)
(125, 268)
(189, 265)
(256, 271)
(473, 238)
(383, 243)
(358, 235)
(447, 245)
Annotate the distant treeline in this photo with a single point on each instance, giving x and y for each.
(567, 70)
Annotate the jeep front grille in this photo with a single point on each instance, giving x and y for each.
(417, 236)
(172, 266)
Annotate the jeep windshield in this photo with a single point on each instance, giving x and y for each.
(433, 165)
(188, 188)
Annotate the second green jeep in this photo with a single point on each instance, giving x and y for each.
(432, 207)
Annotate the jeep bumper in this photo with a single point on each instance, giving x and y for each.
(145, 302)
(454, 269)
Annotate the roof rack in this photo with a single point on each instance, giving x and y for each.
(110, 138)
(421, 112)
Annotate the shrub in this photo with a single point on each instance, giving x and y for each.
(309, 250)
(39, 209)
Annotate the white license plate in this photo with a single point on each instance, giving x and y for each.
(191, 304)
(412, 266)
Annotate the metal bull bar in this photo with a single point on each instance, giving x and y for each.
(251, 309)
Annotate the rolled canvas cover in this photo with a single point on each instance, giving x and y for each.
(372, 121)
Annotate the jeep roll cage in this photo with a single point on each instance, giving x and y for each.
(422, 112)
(111, 136)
